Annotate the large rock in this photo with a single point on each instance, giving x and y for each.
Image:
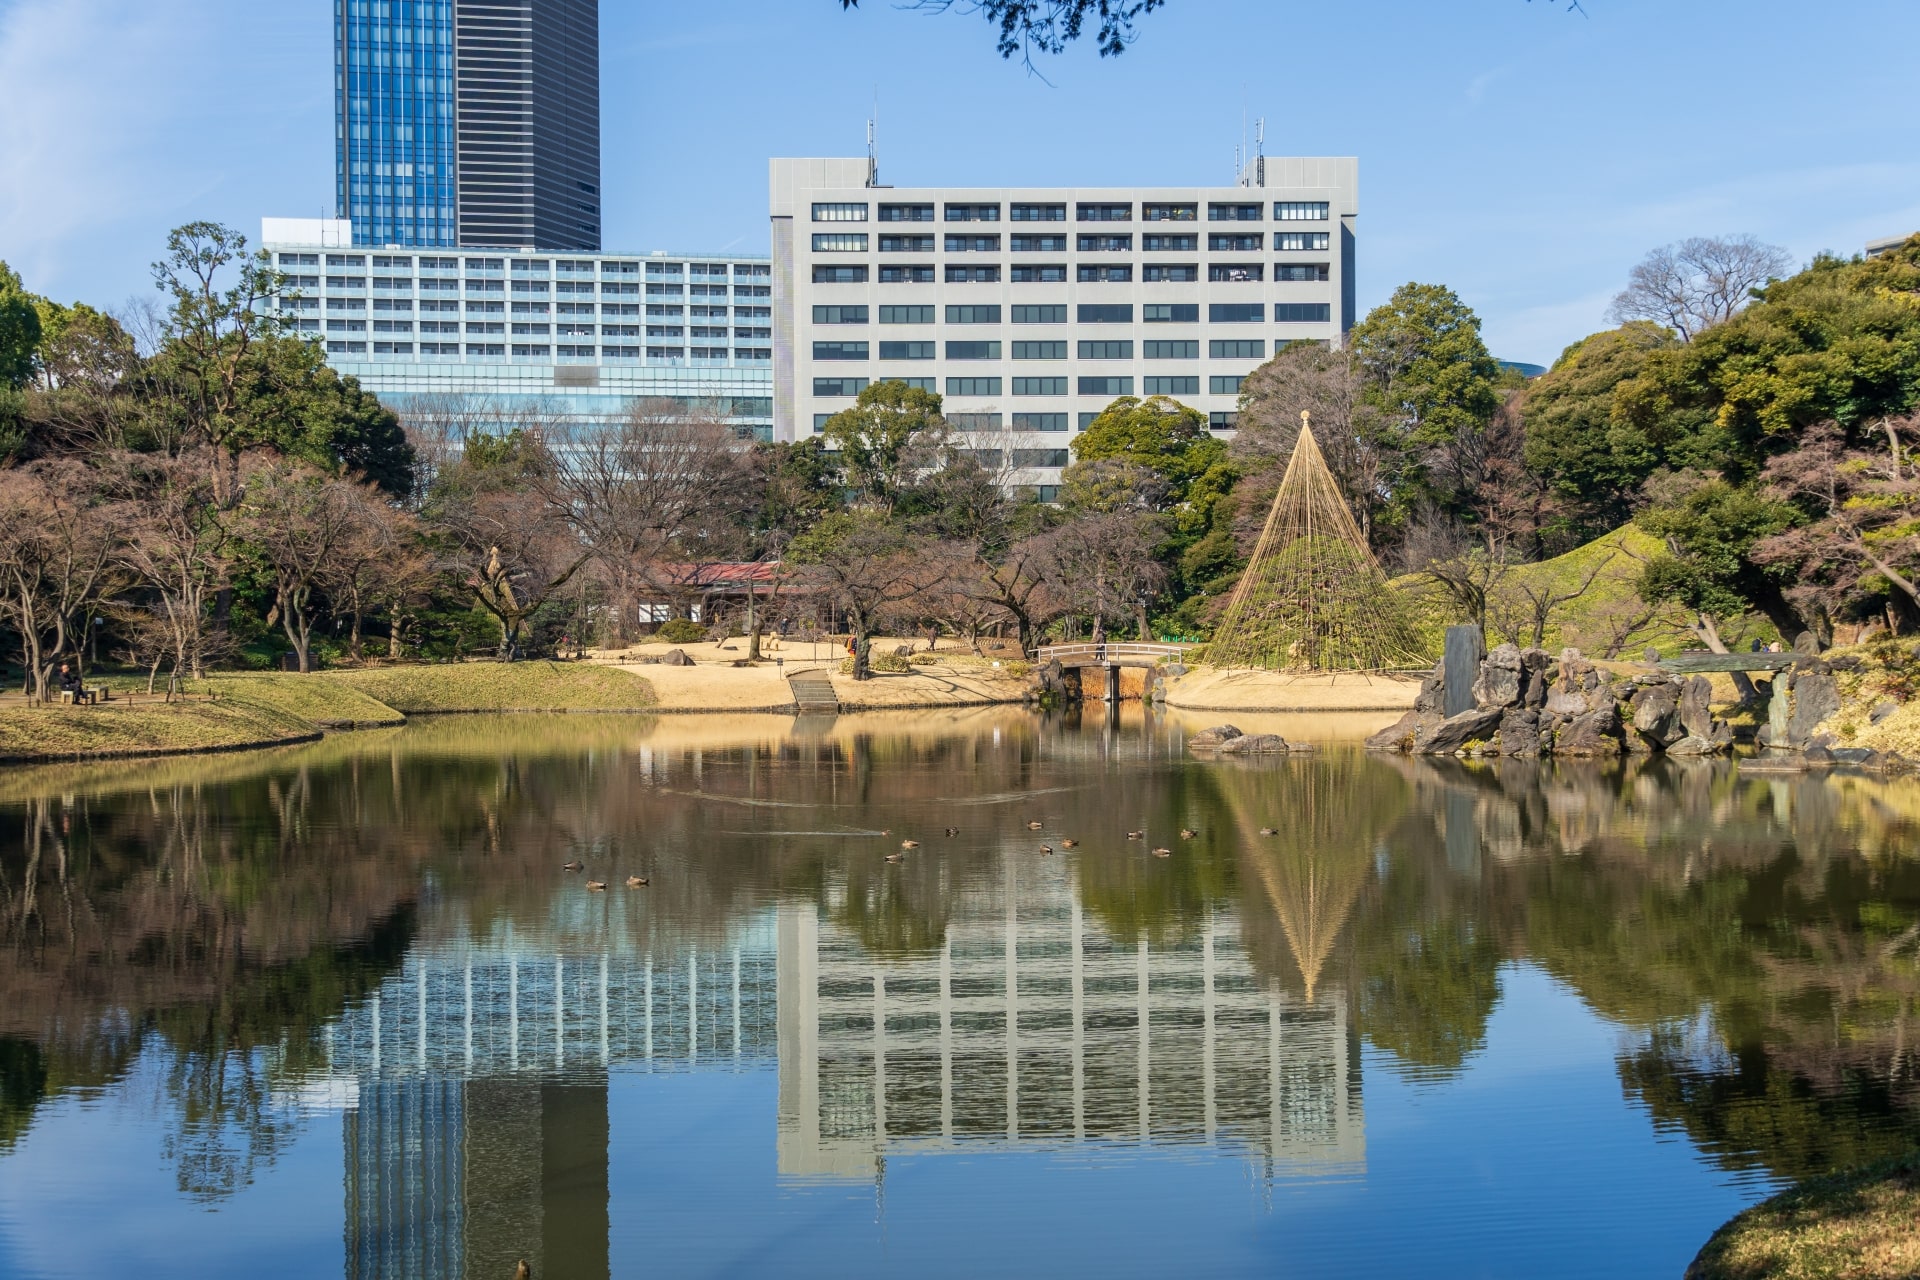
(1693, 745)
(675, 658)
(1596, 733)
(1433, 690)
(1696, 708)
(1520, 733)
(1466, 649)
(1476, 724)
(1254, 744)
(1655, 710)
(1564, 700)
(1397, 736)
(1815, 697)
(1533, 677)
(1211, 739)
(1499, 683)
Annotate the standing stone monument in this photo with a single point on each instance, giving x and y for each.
(1466, 650)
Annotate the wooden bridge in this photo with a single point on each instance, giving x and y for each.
(1110, 657)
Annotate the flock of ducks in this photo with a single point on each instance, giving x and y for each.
(1158, 851)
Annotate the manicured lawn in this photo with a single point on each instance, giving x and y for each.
(1863, 1224)
(501, 686)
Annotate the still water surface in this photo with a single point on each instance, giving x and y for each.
(338, 1011)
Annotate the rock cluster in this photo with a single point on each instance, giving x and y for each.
(1526, 703)
(1226, 740)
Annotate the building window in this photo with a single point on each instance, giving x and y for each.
(1293, 241)
(906, 244)
(299, 259)
(1237, 349)
(839, 212)
(1234, 272)
(1037, 213)
(1040, 351)
(1235, 243)
(1037, 244)
(1049, 313)
(1169, 244)
(522, 330)
(899, 274)
(1169, 213)
(346, 326)
(1233, 213)
(1088, 274)
(984, 313)
(1178, 385)
(973, 350)
(973, 244)
(653, 330)
(753, 353)
(1170, 349)
(654, 353)
(1107, 349)
(1040, 457)
(486, 348)
(393, 348)
(974, 421)
(532, 351)
(1039, 272)
(918, 384)
(1105, 244)
(1225, 384)
(1170, 273)
(1103, 386)
(973, 386)
(1300, 211)
(972, 275)
(839, 242)
(1039, 422)
(355, 260)
(629, 269)
(831, 386)
(906, 315)
(1236, 312)
(1086, 419)
(973, 213)
(821, 275)
(1039, 386)
(761, 270)
(906, 213)
(1222, 420)
(1299, 271)
(1104, 212)
(820, 422)
(906, 351)
(839, 350)
(1106, 313)
(836, 315)
(1302, 312)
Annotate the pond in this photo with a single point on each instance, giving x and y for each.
(339, 1010)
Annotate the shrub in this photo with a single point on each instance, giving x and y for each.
(924, 659)
(680, 631)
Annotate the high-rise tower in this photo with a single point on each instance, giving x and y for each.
(473, 123)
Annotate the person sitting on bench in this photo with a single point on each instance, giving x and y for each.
(70, 683)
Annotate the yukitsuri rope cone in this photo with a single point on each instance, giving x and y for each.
(1313, 597)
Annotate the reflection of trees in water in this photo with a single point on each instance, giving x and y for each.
(1763, 936)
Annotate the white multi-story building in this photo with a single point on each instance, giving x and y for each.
(576, 337)
(1029, 310)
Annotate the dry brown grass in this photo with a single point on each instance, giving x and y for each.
(1863, 1224)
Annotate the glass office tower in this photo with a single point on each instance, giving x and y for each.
(469, 123)
(394, 140)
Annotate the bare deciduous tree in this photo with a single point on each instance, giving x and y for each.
(1698, 282)
(58, 538)
(298, 520)
(1103, 568)
(175, 544)
(871, 569)
(1351, 432)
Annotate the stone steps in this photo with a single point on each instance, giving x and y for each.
(813, 693)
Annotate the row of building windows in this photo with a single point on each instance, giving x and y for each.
(1089, 349)
(544, 351)
(1218, 242)
(1085, 313)
(293, 260)
(1056, 273)
(1095, 211)
(1091, 385)
(1044, 422)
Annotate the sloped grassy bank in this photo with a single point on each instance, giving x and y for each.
(1862, 1224)
(230, 712)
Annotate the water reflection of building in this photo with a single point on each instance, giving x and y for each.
(1033, 1027)
(478, 1129)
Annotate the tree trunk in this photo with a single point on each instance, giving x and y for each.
(1140, 614)
(862, 654)
(1709, 632)
(753, 640)
(394, 644)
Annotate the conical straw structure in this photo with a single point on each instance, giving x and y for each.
(1313, 596)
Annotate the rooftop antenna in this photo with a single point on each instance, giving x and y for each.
(1260, 152)
(873, 155)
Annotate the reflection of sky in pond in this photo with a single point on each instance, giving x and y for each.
(1446, 1021)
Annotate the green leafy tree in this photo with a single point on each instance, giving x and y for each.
(1431, 376)
(883, 439)
(1593, 463)
(19, 330)
(1711, 527)
(288, 398)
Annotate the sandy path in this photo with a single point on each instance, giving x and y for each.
(1204, 689)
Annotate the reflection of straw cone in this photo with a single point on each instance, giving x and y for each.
(1311, 870)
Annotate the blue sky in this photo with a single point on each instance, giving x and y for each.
(1521, 154)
